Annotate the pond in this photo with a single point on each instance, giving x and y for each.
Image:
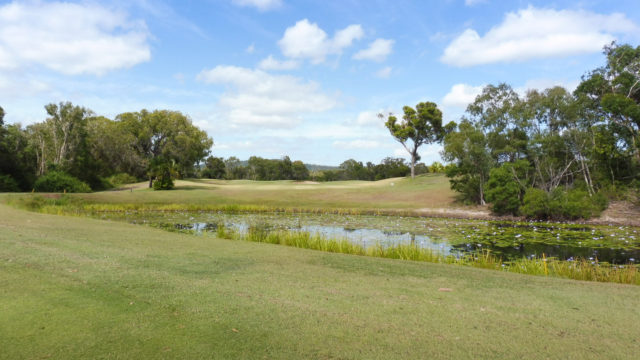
(508, 240)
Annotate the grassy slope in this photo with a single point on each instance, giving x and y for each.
(82, 288)
(429, 191)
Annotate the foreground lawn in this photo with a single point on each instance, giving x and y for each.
(82, 288)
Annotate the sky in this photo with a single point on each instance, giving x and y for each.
(302, 78)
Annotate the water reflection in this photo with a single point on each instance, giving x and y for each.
(509, 240)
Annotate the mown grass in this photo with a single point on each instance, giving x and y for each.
(425, 191)
(81, 288)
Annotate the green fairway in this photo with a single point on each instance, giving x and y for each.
(82, 288)
(427, 191)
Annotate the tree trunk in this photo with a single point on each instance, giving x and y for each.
(482, 202)
(150, 182)
(413, 163)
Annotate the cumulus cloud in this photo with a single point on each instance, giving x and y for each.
(378, 50)
(270, 63)
(70, 38)
(306, 40)
(370, 118)
(258, 98)
(461, 95)
(537, 33)
(262, 5)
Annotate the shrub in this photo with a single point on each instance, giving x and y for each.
(560, 204)
(535, 204)
(163, 183)
(121, 179)
(58, 181)
(503, 192)
(8, 184)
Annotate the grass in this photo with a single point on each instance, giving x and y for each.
(426, 191)
(80, 288)
(579, 269)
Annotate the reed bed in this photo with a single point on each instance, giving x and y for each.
(580, 269)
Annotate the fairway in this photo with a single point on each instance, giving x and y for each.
(82, 288)
(426, 193)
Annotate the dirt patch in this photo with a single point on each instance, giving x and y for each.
(308, 182)
(619, 213)
(479, 213)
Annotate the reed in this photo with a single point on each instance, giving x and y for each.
(544, 266)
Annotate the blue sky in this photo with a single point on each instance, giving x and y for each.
(298, 78)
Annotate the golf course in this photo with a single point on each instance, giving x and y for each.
(76, 286)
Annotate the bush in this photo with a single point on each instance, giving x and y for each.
(569, 205)
(121, 179)
(8, 184)
(163, 183)
(58, 181)
(535, 204)
(503, 192)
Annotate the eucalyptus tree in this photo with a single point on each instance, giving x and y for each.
(613, 91)
(497, 111)
(467, 148)
(163, 138)
(419, 126)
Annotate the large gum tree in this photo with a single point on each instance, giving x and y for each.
(422, 125)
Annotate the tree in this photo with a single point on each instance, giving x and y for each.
(300, 171)
(66, 123)
(467, 148)
(613, 91)
(422, 125)
(165, 137)
(214, 168)
(234, 169)
(496, 112)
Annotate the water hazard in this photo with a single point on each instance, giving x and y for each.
(509, 240)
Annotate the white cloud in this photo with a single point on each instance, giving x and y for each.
(461, 95)
(262, 5)
(377, 50)
(70, 38)
(384, 73)
(537, 33)
(250, 49)
(306, 40)
(357, 144)
(369, 118)
(261, 99)
(270, 63)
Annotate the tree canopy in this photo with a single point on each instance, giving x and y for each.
(422, 125)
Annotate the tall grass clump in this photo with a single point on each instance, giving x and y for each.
(576, 270)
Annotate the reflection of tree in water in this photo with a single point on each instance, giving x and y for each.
(562, 252)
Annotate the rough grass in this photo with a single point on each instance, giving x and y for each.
(82, 288)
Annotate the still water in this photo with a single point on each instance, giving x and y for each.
(509, 240)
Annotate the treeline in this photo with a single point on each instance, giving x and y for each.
(257, 168)
(76, 150)
(551, 153)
